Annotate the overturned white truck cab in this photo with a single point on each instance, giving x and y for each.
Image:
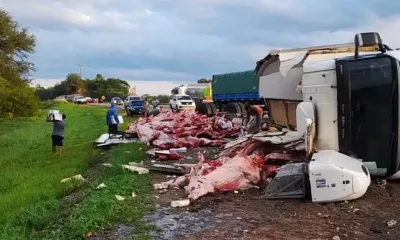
(349, 93)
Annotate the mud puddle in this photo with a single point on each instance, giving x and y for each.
(174, 224)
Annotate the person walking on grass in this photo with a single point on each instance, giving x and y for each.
(57, 135)
(112, 119)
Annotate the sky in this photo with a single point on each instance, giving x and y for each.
(159, 44)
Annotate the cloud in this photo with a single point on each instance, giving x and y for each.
(181, 40)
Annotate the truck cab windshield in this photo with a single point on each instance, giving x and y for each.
(372, 103)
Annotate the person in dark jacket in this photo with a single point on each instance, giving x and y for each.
(112, 119)
(57, 136)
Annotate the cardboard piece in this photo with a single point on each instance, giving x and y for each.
(54, 115)
(120, 119)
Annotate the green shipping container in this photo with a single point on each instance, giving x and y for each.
(236, 85)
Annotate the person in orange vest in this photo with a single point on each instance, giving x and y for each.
(253, 118)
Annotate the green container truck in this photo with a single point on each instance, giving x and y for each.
(236, 86)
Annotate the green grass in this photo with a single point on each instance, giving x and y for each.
(31, 196)
(100, 207)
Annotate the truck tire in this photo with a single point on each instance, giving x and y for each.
(233, 107)
(214, 108)
(242, 107)
(201, 108)
(222, 107)
(209, 110)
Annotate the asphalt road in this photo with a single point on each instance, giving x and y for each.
(107, 104)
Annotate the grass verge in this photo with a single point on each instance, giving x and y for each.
(33, 203)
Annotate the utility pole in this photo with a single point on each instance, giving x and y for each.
(80, 70)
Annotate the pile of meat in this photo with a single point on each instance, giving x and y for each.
(242, 164)
(238, 167)
(224, 174)
(185, 129)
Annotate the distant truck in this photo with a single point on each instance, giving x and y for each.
(229, 92)
(195, 91)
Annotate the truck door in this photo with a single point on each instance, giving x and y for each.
(368, 110)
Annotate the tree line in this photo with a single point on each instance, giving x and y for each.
(95, 88)
(17, 98)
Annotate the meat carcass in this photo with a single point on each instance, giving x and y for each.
(223, 174)
(241, 172)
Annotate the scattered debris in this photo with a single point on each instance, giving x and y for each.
(106, 140)
(151, 152)
(107, 164)
(78, 177)
(179, 150)
(180, 203)
(119, 198)
(391, 223)
(168, 169)
(137, 164)
(133, 195)
(383, 182)
(139, 170)
(101, 185)
(356, 210)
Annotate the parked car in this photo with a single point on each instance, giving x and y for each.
(132, 98)
(181, 102)
(117, 100)
(79, 100)
(134, 108)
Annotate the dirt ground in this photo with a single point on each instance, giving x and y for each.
(244, 215)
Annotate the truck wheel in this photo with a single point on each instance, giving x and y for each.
(242, 107)
(233, 107)
(222, 108)
(201, 108)
(209, 110)
(214, 108)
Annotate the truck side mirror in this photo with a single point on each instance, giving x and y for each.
(367, 39)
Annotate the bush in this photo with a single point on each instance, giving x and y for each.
(18, 100)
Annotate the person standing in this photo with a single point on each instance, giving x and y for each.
(112, 119)
(57, 135)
